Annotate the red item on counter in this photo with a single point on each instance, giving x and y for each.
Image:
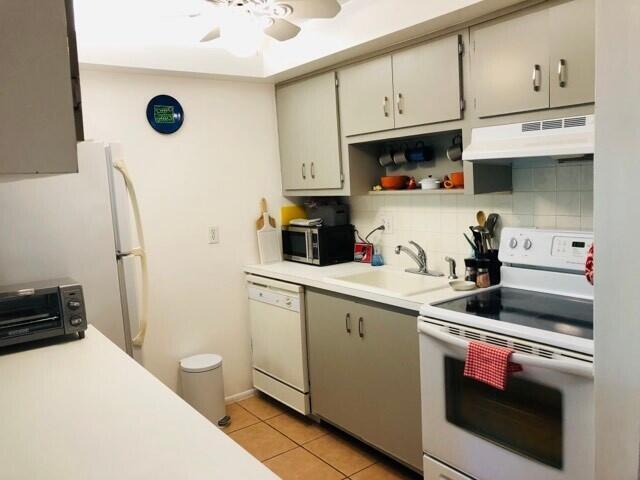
(589, 266)
(363, 252)
(489, 364)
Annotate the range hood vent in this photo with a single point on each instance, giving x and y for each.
(556, 138)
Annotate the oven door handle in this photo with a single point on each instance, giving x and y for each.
(573, 367)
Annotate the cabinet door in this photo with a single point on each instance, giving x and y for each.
(387, 371)
(509, 65)
(309, 135)
(572, 53)
(426, 83)
(366, 97)
(37, 127)
(334, 395)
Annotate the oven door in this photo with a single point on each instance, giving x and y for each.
(540, 427)
(297, 244)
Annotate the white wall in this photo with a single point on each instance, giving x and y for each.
(617, 301)
(549, 196)
(212, 172)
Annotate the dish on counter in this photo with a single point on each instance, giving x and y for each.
(462, 285)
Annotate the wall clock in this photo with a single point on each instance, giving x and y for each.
(165, 114)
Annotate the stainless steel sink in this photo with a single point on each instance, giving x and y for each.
(389, 281)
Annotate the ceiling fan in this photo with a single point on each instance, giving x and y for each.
(276, 17)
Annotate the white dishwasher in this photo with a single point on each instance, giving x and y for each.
(279, 341)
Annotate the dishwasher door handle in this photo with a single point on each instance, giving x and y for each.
(347, 322)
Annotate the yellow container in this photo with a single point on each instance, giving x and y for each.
(290, 212)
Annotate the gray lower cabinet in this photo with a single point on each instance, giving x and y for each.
(39, 100)
(364, 372)
(309, 134)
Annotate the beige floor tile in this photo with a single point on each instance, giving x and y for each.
(262, 406)
(297, 427)
(346, 456)
(240, 418)
(262, 441)
(382, 471)
(299, 464)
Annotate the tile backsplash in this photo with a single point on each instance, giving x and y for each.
(549, 196)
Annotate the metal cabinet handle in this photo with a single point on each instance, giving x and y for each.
(361, 327)
(562, 73)
(400, 104)
(347, 322)
(536, 78)
(385, 106)
(313, 169)
(304, 171)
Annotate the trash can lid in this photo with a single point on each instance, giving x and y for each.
(201, 363)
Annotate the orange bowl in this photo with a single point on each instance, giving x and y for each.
(457, 178)
(396, 182)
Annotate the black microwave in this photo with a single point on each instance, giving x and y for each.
(318, 245)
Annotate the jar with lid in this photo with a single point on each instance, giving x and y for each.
(482, 278)
(470, 271)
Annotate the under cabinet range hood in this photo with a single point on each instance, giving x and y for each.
(558, 138)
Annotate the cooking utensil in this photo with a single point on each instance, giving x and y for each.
(385, 159)
(481, 218)
(475, 248)
(490, 225)
(399, 157)
(260, 222)
(395, 182)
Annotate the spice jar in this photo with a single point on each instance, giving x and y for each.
(470, 271)
(482, 278)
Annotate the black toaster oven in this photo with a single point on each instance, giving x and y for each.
(40, 310)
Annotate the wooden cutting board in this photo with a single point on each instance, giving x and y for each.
(268, 237)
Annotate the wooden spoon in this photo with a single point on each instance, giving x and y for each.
(481, 218)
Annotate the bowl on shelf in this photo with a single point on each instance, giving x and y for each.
(395, 182)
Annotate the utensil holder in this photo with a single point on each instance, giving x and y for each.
(494, 265)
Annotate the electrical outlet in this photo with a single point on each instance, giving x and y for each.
(214, 235)
(386, 219)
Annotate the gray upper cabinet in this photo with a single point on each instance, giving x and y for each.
(534, 60)
(364, 372)
(38, 131)
(572, 53)
(366, 97)
(427, 83)
(509, 67)
(415, 86)
(309, 134)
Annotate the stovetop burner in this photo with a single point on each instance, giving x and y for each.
(554, 313)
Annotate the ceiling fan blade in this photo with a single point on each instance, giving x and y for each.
(282, 29)
(314, 8)
(212, 35)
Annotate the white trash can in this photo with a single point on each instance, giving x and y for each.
(203, 387)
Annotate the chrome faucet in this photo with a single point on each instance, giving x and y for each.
(420, 258)
(452, 268)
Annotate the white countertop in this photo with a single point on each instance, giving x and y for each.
(321, 278)
(85, 410)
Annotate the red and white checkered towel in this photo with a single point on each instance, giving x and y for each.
(489, 364)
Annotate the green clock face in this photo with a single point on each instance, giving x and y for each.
(165, 114)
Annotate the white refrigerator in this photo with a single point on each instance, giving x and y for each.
(85, 226)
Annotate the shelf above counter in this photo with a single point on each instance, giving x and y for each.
(418, 191)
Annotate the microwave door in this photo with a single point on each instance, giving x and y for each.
(297, 245)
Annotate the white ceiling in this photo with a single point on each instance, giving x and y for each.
(163, 34)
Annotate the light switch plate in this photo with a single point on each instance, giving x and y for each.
(214, 235)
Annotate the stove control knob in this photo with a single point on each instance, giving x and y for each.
(75, 320)
(73, 304)
(513, 243)
(527, 244)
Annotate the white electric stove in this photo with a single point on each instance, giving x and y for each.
(542, 425)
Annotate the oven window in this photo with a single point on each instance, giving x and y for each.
(294, 243)
(526, 418)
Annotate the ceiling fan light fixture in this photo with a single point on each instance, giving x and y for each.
(282, 10)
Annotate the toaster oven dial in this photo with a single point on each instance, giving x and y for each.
(75, 320)
(74, 304)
